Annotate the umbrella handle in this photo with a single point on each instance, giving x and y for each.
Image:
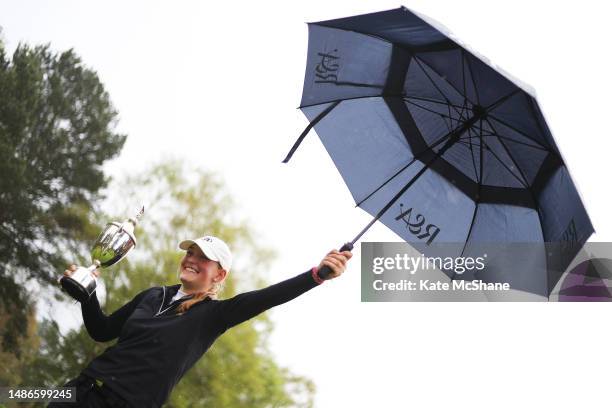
(325, 271)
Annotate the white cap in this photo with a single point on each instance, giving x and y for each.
(213, 247)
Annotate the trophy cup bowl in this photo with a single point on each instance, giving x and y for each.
(112, 245)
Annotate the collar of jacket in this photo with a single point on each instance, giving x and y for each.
(172, 290)
(168, 293)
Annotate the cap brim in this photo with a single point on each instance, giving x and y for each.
(186, 244)
(210, 254)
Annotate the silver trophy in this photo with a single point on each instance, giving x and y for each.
(112, 245)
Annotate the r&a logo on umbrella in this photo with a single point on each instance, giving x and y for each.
(568, 242)
(417, 227)
(570, 235)
(326, 70)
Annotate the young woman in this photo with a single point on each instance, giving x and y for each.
(165, 330)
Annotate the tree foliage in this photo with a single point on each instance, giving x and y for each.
(56, 131)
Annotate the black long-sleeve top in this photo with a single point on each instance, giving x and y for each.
(156, 346)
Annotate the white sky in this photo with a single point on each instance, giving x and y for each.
(218, 84)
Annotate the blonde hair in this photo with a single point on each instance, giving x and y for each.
(212, 293)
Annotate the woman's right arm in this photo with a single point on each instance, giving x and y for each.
(247, 305)
(102, 327)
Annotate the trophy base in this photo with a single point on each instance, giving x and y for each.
(74, 289)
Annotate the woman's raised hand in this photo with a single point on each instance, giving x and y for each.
(72, 269)
(336, 261)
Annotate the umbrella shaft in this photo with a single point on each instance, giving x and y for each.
(454, 137)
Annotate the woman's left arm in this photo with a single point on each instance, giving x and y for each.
(247, 305)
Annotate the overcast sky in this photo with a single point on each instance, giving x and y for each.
(217, 84)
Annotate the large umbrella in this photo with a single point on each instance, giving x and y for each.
(435, 142)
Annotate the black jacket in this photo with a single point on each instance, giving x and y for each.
(156, 346)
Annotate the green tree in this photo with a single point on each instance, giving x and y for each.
(56, 131)
(12, 365)
(238, 370)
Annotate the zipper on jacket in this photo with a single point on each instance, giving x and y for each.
(162, 303)
(160, 311)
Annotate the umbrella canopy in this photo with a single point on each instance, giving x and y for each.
(435, 142)
(589, 281)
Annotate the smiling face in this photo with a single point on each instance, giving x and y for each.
(198, 273)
